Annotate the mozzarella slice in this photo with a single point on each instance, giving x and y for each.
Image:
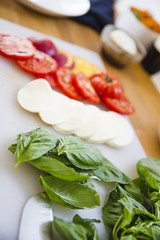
(58, 111)
(124, 41)
(106, 129)
(90, 122)
(123, 137)
(35, 96)
(74, 121)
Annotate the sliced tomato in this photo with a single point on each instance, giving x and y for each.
(85, 88)
(121, 105)
(64, 78)
(106, 83)
(114, 90)
(16, 47)
(50, 78)
(40, 63)
(99, 84)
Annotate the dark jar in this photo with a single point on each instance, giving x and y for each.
(151, 62)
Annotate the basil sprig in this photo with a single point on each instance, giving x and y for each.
(132, 208)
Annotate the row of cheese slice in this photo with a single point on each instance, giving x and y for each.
(69, 116)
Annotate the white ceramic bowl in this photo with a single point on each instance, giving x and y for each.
(59, 8)
(127, 21)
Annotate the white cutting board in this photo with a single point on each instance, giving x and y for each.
(17, 185)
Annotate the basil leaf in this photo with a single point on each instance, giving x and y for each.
(62, 158)
(109, 173)
(149, 169)
(79, 228)
(33, 145)
(88, 224)
(112, 209)
(134, 191)
(79, 153)
(54, 167)
(156, 231)
(20, 145)
(71, 194)
(70, 231)
(142, 230)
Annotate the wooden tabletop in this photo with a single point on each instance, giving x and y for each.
(137, 84)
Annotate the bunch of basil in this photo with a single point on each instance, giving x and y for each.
(132, 207)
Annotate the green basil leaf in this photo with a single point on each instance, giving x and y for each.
(34, 144)
(154, 196)
(112, 209)
(149, 169)
(109, 173)
(71, 194)
(88, 224)
(78, 229)
(70, 231)
(142, 230)
(54, 167)
(134, 191)
(157, 209)
(20, 145)
(156, 231)
(79, 153)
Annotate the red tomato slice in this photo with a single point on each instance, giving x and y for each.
(50, 79)
(121, 105)
(85, 88)
(114, 90)
(106, 82)
(99, 84)
(64, 78)
(40, 63)
(16, 47)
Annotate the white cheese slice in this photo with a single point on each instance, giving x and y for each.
(123, 137)
(90, 122)
(58, 111)
(106, 128)
(35, 96)
(124, 41)
(75, 119)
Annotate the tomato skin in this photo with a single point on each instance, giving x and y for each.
(85, 88)
(64, 77)
(16, 47)
(122, 105)
(114, 90)
(107, 84)
(98, 84)
(40, 63)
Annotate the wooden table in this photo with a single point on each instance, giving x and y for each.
(137, 84)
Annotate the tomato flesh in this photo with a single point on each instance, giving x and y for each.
(85, 88)
(16, 47)
(121, 105)
(40, 63)
(64, 78)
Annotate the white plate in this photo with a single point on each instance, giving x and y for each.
(18, 185)
(62, 8)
